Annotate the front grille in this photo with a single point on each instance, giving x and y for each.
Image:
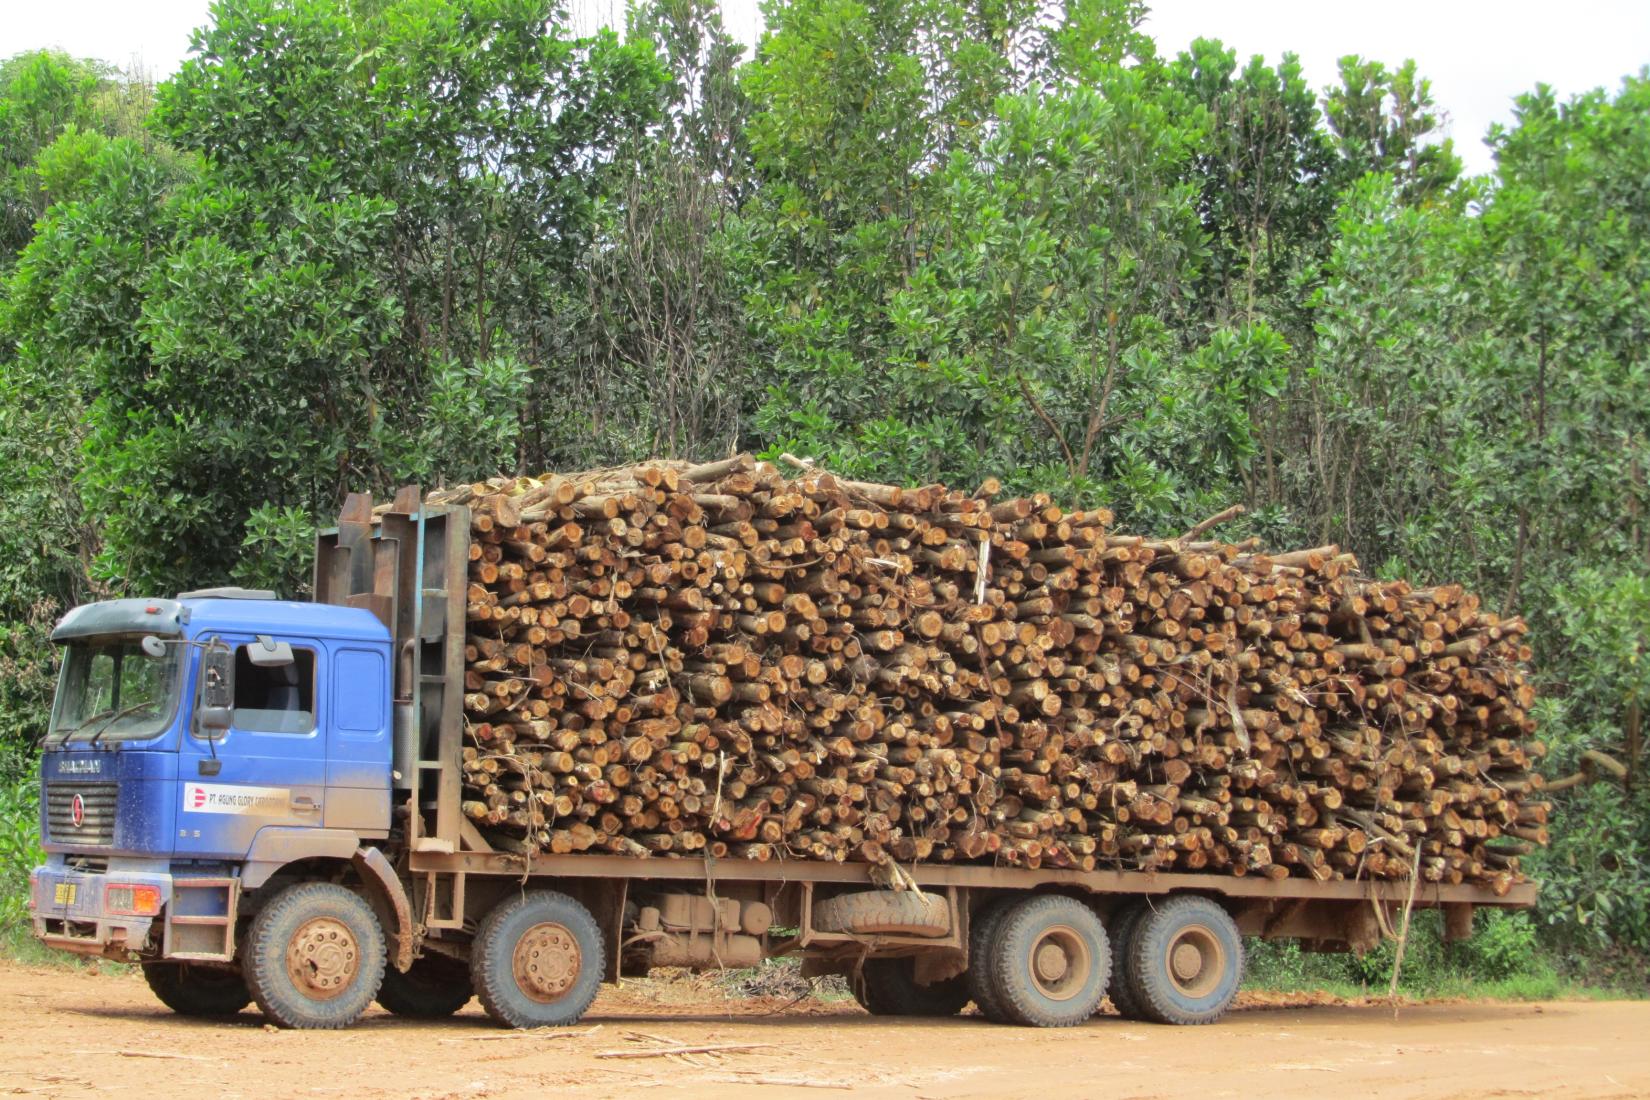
(97, 813)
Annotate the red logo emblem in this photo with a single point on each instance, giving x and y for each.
(77, 811)
(197, 798)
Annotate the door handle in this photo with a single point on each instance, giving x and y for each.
(304, 804)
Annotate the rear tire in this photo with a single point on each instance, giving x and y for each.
(888, 987)
(1186, 962)
(190, 989)
(1122, 932)
(537, 960)
(1051, 962)
(314, 956)
(982, 941)
(433, 987)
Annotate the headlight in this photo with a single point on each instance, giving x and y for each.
(131, 900)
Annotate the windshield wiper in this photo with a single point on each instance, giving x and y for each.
(112, 719)
(64, 735)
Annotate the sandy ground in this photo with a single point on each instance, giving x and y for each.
(77, 1033)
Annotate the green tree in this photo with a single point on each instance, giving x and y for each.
(877, 140)
(491, 131)
(56, 107)
(1040, 323)
(1385, 120)
(1264, 166)
(385, 210)
(666, 350)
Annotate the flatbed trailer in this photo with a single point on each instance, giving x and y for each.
(377, 886)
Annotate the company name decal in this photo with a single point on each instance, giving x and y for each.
(214, 798)
(80, 767)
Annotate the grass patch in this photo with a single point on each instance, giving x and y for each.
(1540, 987)
(18, 946)
(1528, 987)
(1504, 960)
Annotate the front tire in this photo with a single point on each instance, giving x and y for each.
(200, 991)
(314, 957)
(888, 987)
(537, 960)
(1186, 962)
(433, 987)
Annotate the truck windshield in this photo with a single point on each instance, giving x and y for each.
(113, 691)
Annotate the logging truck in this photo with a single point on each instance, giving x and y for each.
(262, 800)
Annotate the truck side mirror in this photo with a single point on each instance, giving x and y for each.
(217, 696)
(266, 652)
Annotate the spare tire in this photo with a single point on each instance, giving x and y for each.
(884, 912)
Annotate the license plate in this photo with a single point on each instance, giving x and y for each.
(63, 893)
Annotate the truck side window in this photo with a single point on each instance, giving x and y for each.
(275, 700)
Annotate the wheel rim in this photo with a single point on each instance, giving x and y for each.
(1195, 959)
(322, 958)
(1060, 962)
(546, 962)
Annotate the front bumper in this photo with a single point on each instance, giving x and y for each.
(72, 911)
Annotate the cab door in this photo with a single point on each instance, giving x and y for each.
(269, 767)
(358, 748)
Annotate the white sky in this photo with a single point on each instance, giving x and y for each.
(1478, 54)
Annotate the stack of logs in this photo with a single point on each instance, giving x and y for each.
(715, 659)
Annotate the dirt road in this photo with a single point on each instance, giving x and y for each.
(75, 1033)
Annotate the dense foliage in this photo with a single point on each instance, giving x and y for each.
(349, 247)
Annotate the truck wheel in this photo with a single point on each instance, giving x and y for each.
(887, 987)
(884, 912)
(537, 960)
(1124, 924)
(314, 956)
(191, 990)
(1185, 962)
(433, 987)
(1050, 963)
(982, 939)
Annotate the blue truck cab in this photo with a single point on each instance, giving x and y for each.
(153, 820)
(231, 783)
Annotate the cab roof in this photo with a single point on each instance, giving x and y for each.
(257, 616)
(197, 615)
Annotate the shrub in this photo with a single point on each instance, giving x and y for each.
(20, 850)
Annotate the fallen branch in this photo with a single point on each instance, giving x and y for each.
(167, 1055)
(637, 1035)
(784, 1082)
(533, 1033)
(663, 1052)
